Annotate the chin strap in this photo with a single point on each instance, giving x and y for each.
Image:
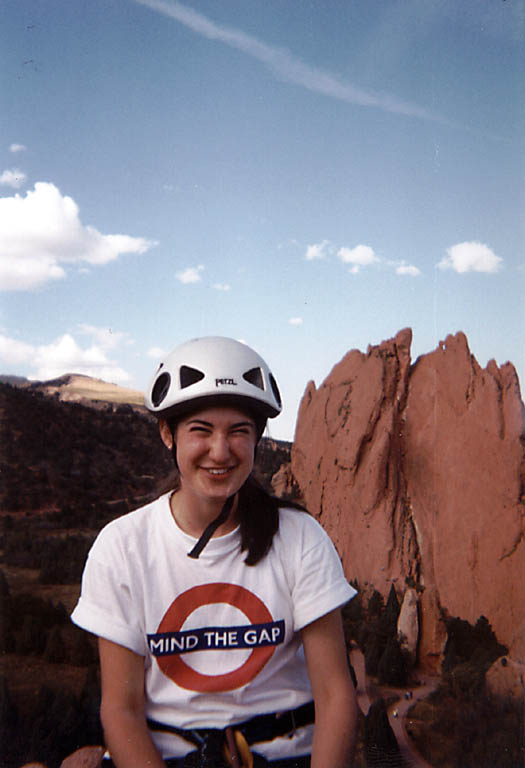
(212, 527)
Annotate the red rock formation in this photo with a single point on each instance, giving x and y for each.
(418, 474)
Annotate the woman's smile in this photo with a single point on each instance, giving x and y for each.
(218, 470)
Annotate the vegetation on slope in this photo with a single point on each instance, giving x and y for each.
(66, 470)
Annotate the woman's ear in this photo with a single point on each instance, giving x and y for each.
(165, 434)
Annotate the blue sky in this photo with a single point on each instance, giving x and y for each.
(309, 177)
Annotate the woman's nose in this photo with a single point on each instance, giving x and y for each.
(219, 448)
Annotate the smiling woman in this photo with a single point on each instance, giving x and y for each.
(215, 450)
(212, 657)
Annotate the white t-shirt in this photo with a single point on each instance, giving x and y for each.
(220, 639)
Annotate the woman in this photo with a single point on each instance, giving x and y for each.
(217, 612)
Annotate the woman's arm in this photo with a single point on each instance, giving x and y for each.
(122, 708)
(334, 694)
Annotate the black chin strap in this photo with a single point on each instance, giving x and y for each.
(212, 527)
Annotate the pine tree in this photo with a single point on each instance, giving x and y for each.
(381, 747)
(392, 667)
(372, 654)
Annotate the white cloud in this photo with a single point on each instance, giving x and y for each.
(106, 338)
(317, 251)
(157, 353)
(283, 64)
(17, 148)
(13, 178)
(408, 269)
(296, 321)
(190, 275)
(360, 256)
(62, 356)
(471, 257)
(42, 231)
(222, 286)
(15, 352)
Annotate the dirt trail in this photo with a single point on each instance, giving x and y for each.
(397, 712)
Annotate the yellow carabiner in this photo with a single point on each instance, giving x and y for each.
(236, 750)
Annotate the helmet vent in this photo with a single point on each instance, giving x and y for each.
(160, 389)
(275, 390)
(254, 376)
(189, 376)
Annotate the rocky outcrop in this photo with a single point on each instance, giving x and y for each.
(417, 472)
(282, 482)
(408, 624)
(85, 757)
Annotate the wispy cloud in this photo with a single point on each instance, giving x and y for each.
(407, 270)
(471, 257)
(17, 148)
(106, 338)
(157, 353)
(222, 286)
(190, 275)
(12, 177)
(317, 251)
(296, 321)
(358, 257)
(283, 64)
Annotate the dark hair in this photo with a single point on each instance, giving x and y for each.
(258, 513)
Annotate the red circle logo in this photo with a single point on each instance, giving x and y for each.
(253, 608)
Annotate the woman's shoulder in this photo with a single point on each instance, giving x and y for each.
(133, 524)
(295, 522)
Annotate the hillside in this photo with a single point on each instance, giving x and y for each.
(75, 387)
(67, 468)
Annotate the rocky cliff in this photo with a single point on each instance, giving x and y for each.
(417, 471)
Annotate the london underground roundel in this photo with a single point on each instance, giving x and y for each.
(261, 636)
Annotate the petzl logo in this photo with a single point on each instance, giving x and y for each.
(225, 382)
(261, 636)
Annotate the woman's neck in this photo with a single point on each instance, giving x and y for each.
(193, 515)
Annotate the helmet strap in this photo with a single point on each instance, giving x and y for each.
(212, 527)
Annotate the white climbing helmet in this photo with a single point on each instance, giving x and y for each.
(210, 371)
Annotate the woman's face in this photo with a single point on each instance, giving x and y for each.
(215, 451)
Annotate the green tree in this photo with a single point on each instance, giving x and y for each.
(373, 653)
(392, 668)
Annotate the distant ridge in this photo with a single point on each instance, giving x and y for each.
(75, 387)
(15, 381)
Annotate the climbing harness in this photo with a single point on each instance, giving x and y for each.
(231, 747)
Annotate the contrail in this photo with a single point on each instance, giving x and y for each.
(283, 64)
